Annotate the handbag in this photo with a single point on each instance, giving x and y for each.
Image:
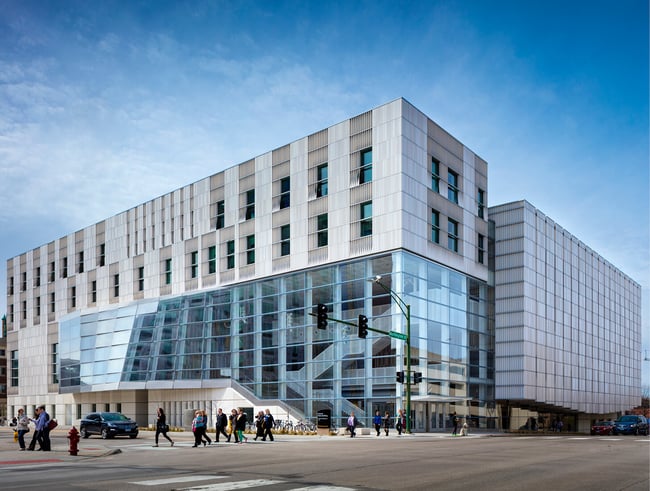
(52, 424)
(165, 428)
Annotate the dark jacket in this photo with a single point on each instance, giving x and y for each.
(222, 421)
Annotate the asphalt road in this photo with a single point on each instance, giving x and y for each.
(418, 462)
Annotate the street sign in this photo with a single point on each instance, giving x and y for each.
(397, 335)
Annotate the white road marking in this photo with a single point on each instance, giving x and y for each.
(229, 486)
(170, 480)
(323, 488)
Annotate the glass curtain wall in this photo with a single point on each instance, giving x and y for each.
(261, 335)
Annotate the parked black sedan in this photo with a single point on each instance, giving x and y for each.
(631, 424)
(108, 425)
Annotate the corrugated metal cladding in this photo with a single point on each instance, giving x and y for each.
(571, 307)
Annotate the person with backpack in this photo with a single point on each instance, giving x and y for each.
(197, 429)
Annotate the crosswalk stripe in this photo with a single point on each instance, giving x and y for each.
(323, 488)
(229, 486)
(171, 480)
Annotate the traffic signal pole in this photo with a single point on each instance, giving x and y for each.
(363, 327)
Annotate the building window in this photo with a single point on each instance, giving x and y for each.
(321, 180)
(285, 192)
(321, 226)
(250, 204)
(168, 271)
(38, 306)
(285, 235)
(11, 313)
(481, 203)
(23, 282)
(102, 254)
(452, 235)
(230, 254)
(481, 248)
(37, 279)
(79, 414)
(73, 297)
(194, 266)
(80, 262)
(52, 271)
(365, 166)
(116, 285)
(452, 187)
(93, 291)
(55, 363)
(10, 286)
(141, 279)
(14, 368)
(250, 249)
(221, 213)
(23, 310)
(212, 259)
(64, 272)
(52, 302)
(365, 210)
(435, 175)
(435, 226)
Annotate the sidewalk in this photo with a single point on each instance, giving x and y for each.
(10, 452)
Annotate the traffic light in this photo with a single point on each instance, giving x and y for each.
(321, 315)
(417, 377)
(363, 326)
(399, 376)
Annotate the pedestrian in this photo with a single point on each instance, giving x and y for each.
(204, 431)
(22, 427)
(387, 422)
(454, 420)
(197, 424)
(32, 444)
(161, 426)
(400, 423)
(43, 429)
(352, 424)
(232, 424)
(221, 424)
(269, 422)
(259, 425)
(377, 422)
(240, 426)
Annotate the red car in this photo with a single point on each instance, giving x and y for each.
(602, 428)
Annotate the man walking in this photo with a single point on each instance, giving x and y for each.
(221, 424)
(42, 426)
(454, 420)
(268, 425)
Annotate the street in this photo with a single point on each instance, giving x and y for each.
(418, 462)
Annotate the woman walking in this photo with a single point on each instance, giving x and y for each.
(259, 425)
(232, 425)
(22, 427)
(240, 426)
(161, 426)
(204, 431)
(386, 422)
(197, 424)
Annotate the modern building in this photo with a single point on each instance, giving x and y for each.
(201, 298)
(568, 325)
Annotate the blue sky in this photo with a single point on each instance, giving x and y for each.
(105, 105)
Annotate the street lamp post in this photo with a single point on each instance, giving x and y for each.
(406, 311)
